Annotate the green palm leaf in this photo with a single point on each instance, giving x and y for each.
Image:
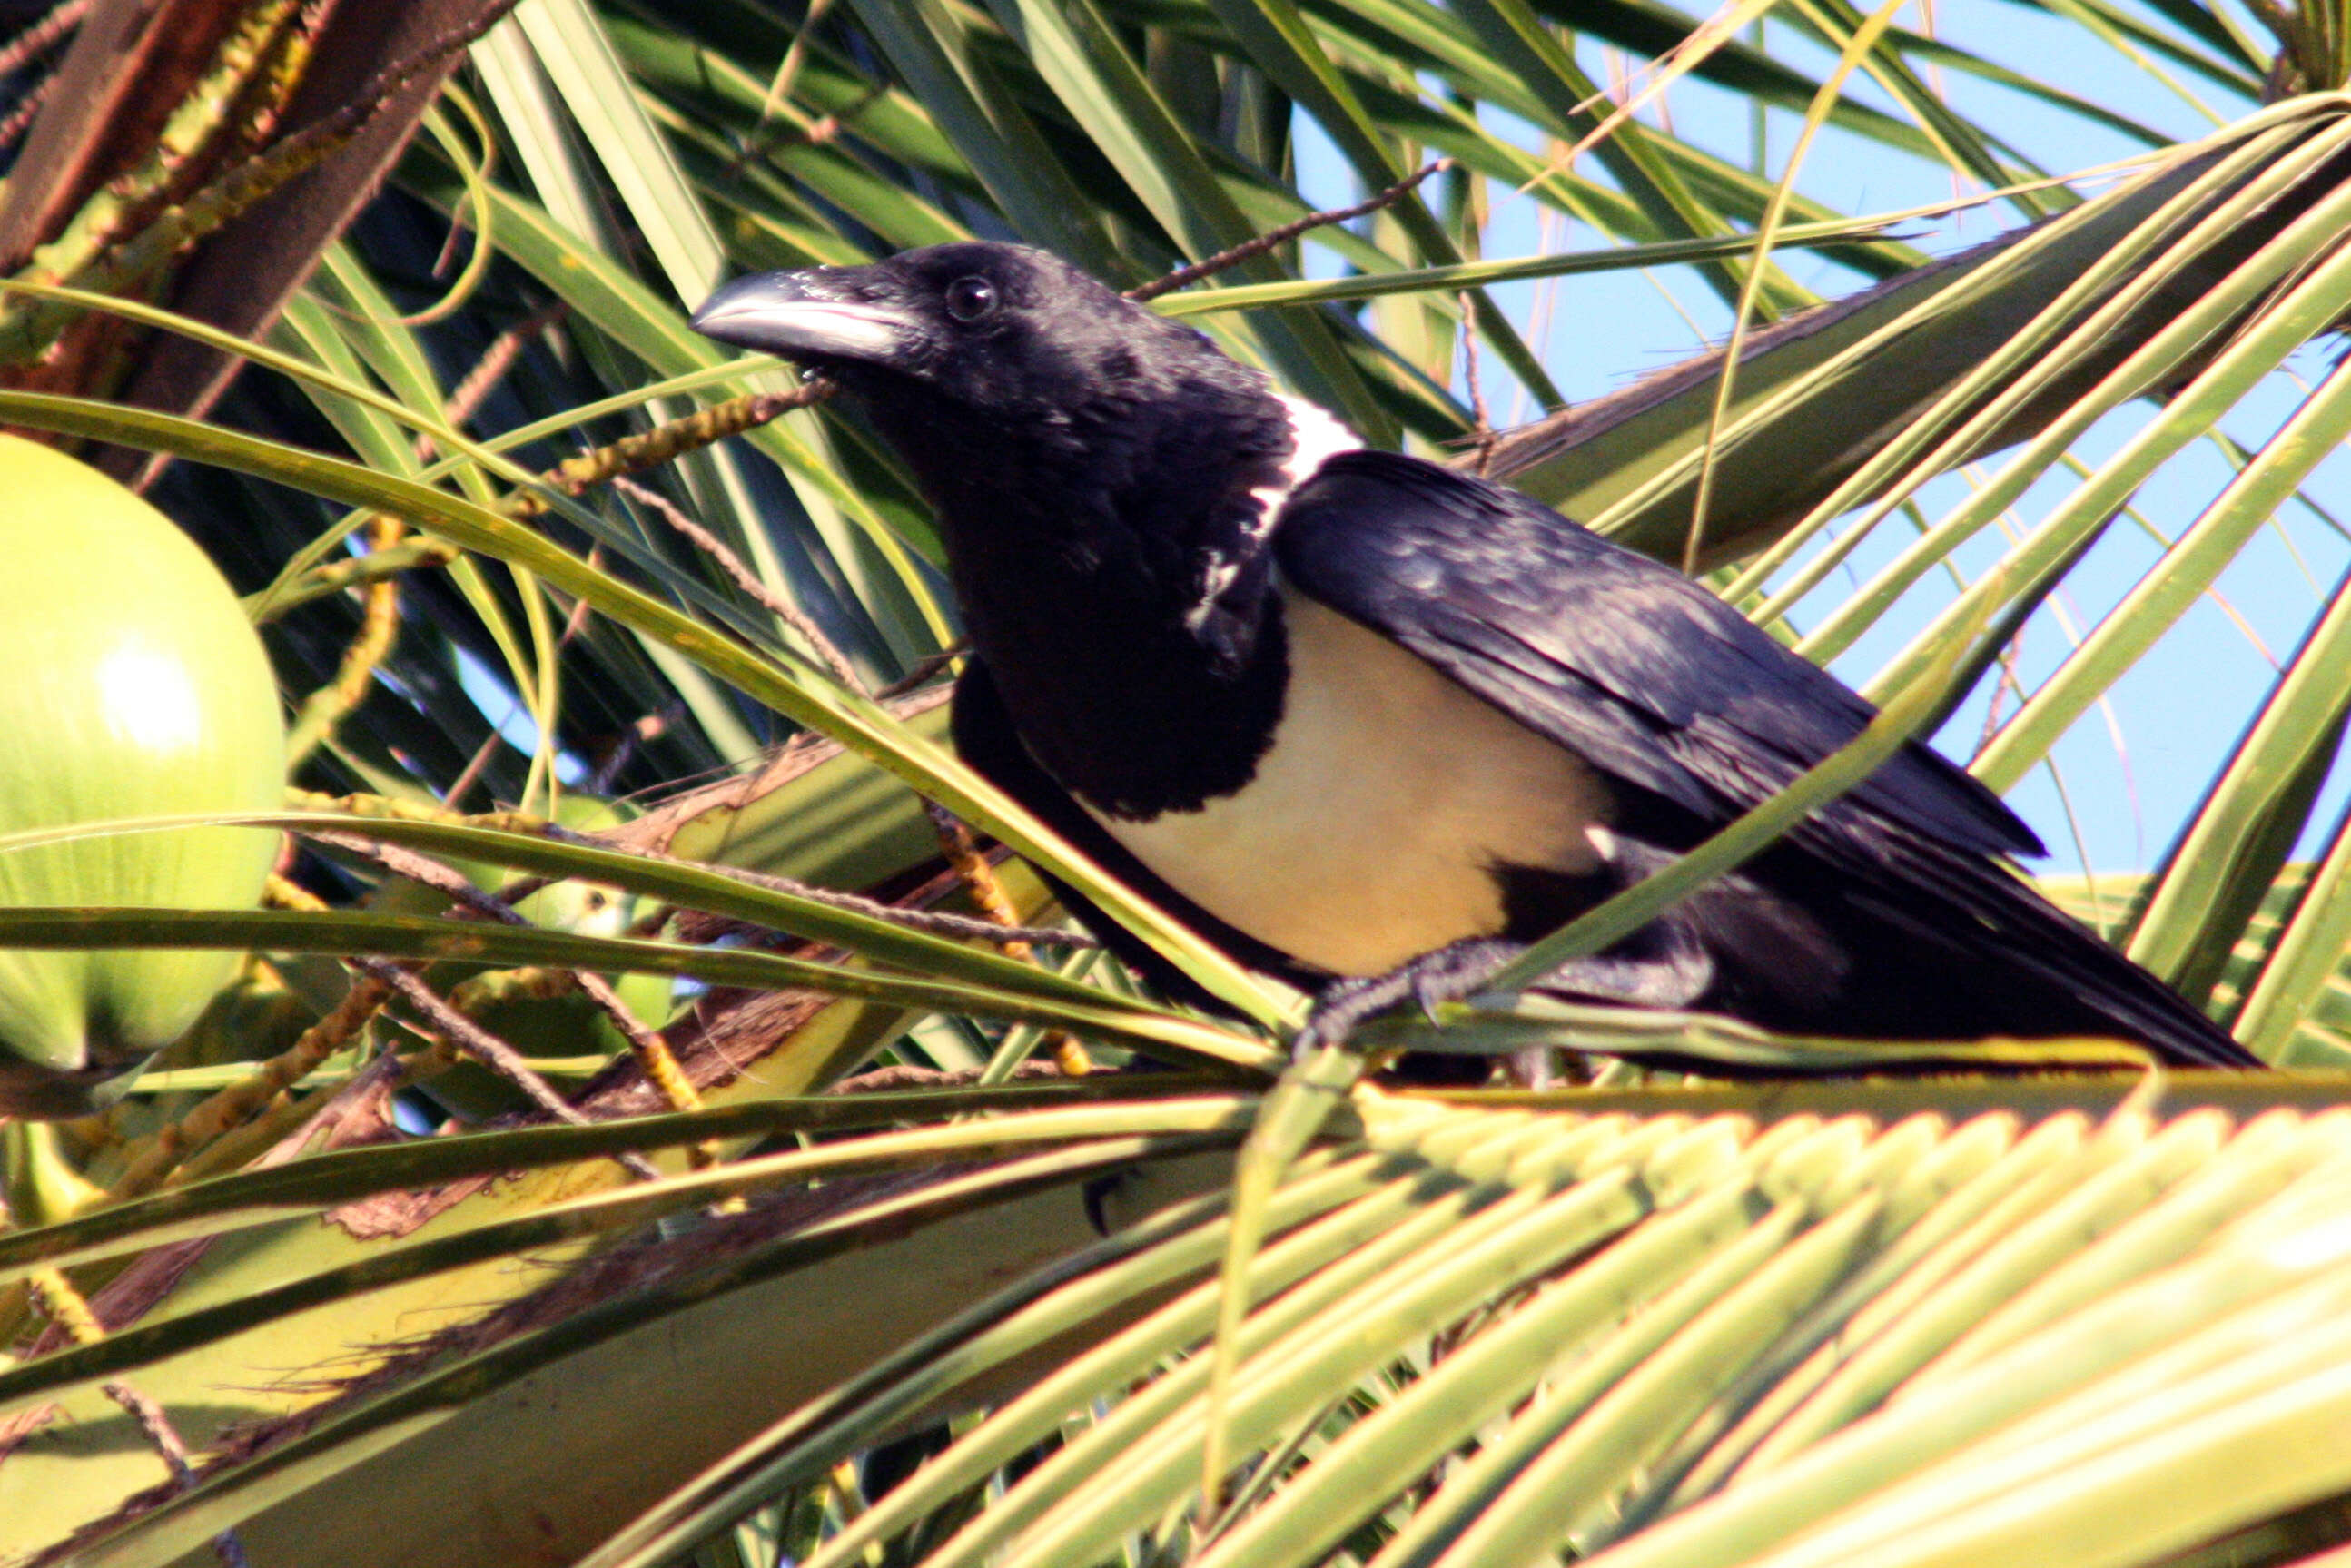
(2001, 1318)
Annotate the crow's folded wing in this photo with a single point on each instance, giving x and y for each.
(1626, 663)
(1650, 678)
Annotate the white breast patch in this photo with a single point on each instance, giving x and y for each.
(1367, 834)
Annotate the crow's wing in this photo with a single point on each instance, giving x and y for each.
(1626, 663)
(1653, 680)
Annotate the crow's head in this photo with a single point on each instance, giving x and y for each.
(1052, 423)
(989, 334)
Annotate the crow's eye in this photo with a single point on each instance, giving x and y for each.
(970, 299)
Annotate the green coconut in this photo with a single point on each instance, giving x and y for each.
(133, 686)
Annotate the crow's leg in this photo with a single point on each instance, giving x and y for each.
(1664, 966)
(1441, 976)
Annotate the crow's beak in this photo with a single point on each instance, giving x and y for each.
(805, 315)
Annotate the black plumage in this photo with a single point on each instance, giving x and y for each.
(1361, 718)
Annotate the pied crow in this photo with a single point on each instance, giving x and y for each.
(1372, 723)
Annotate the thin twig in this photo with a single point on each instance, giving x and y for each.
(375, 94)
(243, 186)
(331, 578)
(379, 629)
(730, 564)
(474, 767)
(573, 625)
(899, 1077)
(2007, 683)
(490, 1050)
(641, 730)
(1661, 73)
(426, 871)
(1485, 431)
(787, 73)
(153, 1160)
(664, 443)
(227, 1550)
(653, 1052)
(385, 808)
(1225, 260)
(22, 51)
(923, 668)
(960, 926)
(815, 133)
(825, 127)
(285, 60)
(573, 476)
(457, 1029)
(157, 1425)
(68, 1309)
(98, 263)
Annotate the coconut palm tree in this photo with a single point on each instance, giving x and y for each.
(641, 1129)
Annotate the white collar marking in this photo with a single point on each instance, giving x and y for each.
(1316, 436)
